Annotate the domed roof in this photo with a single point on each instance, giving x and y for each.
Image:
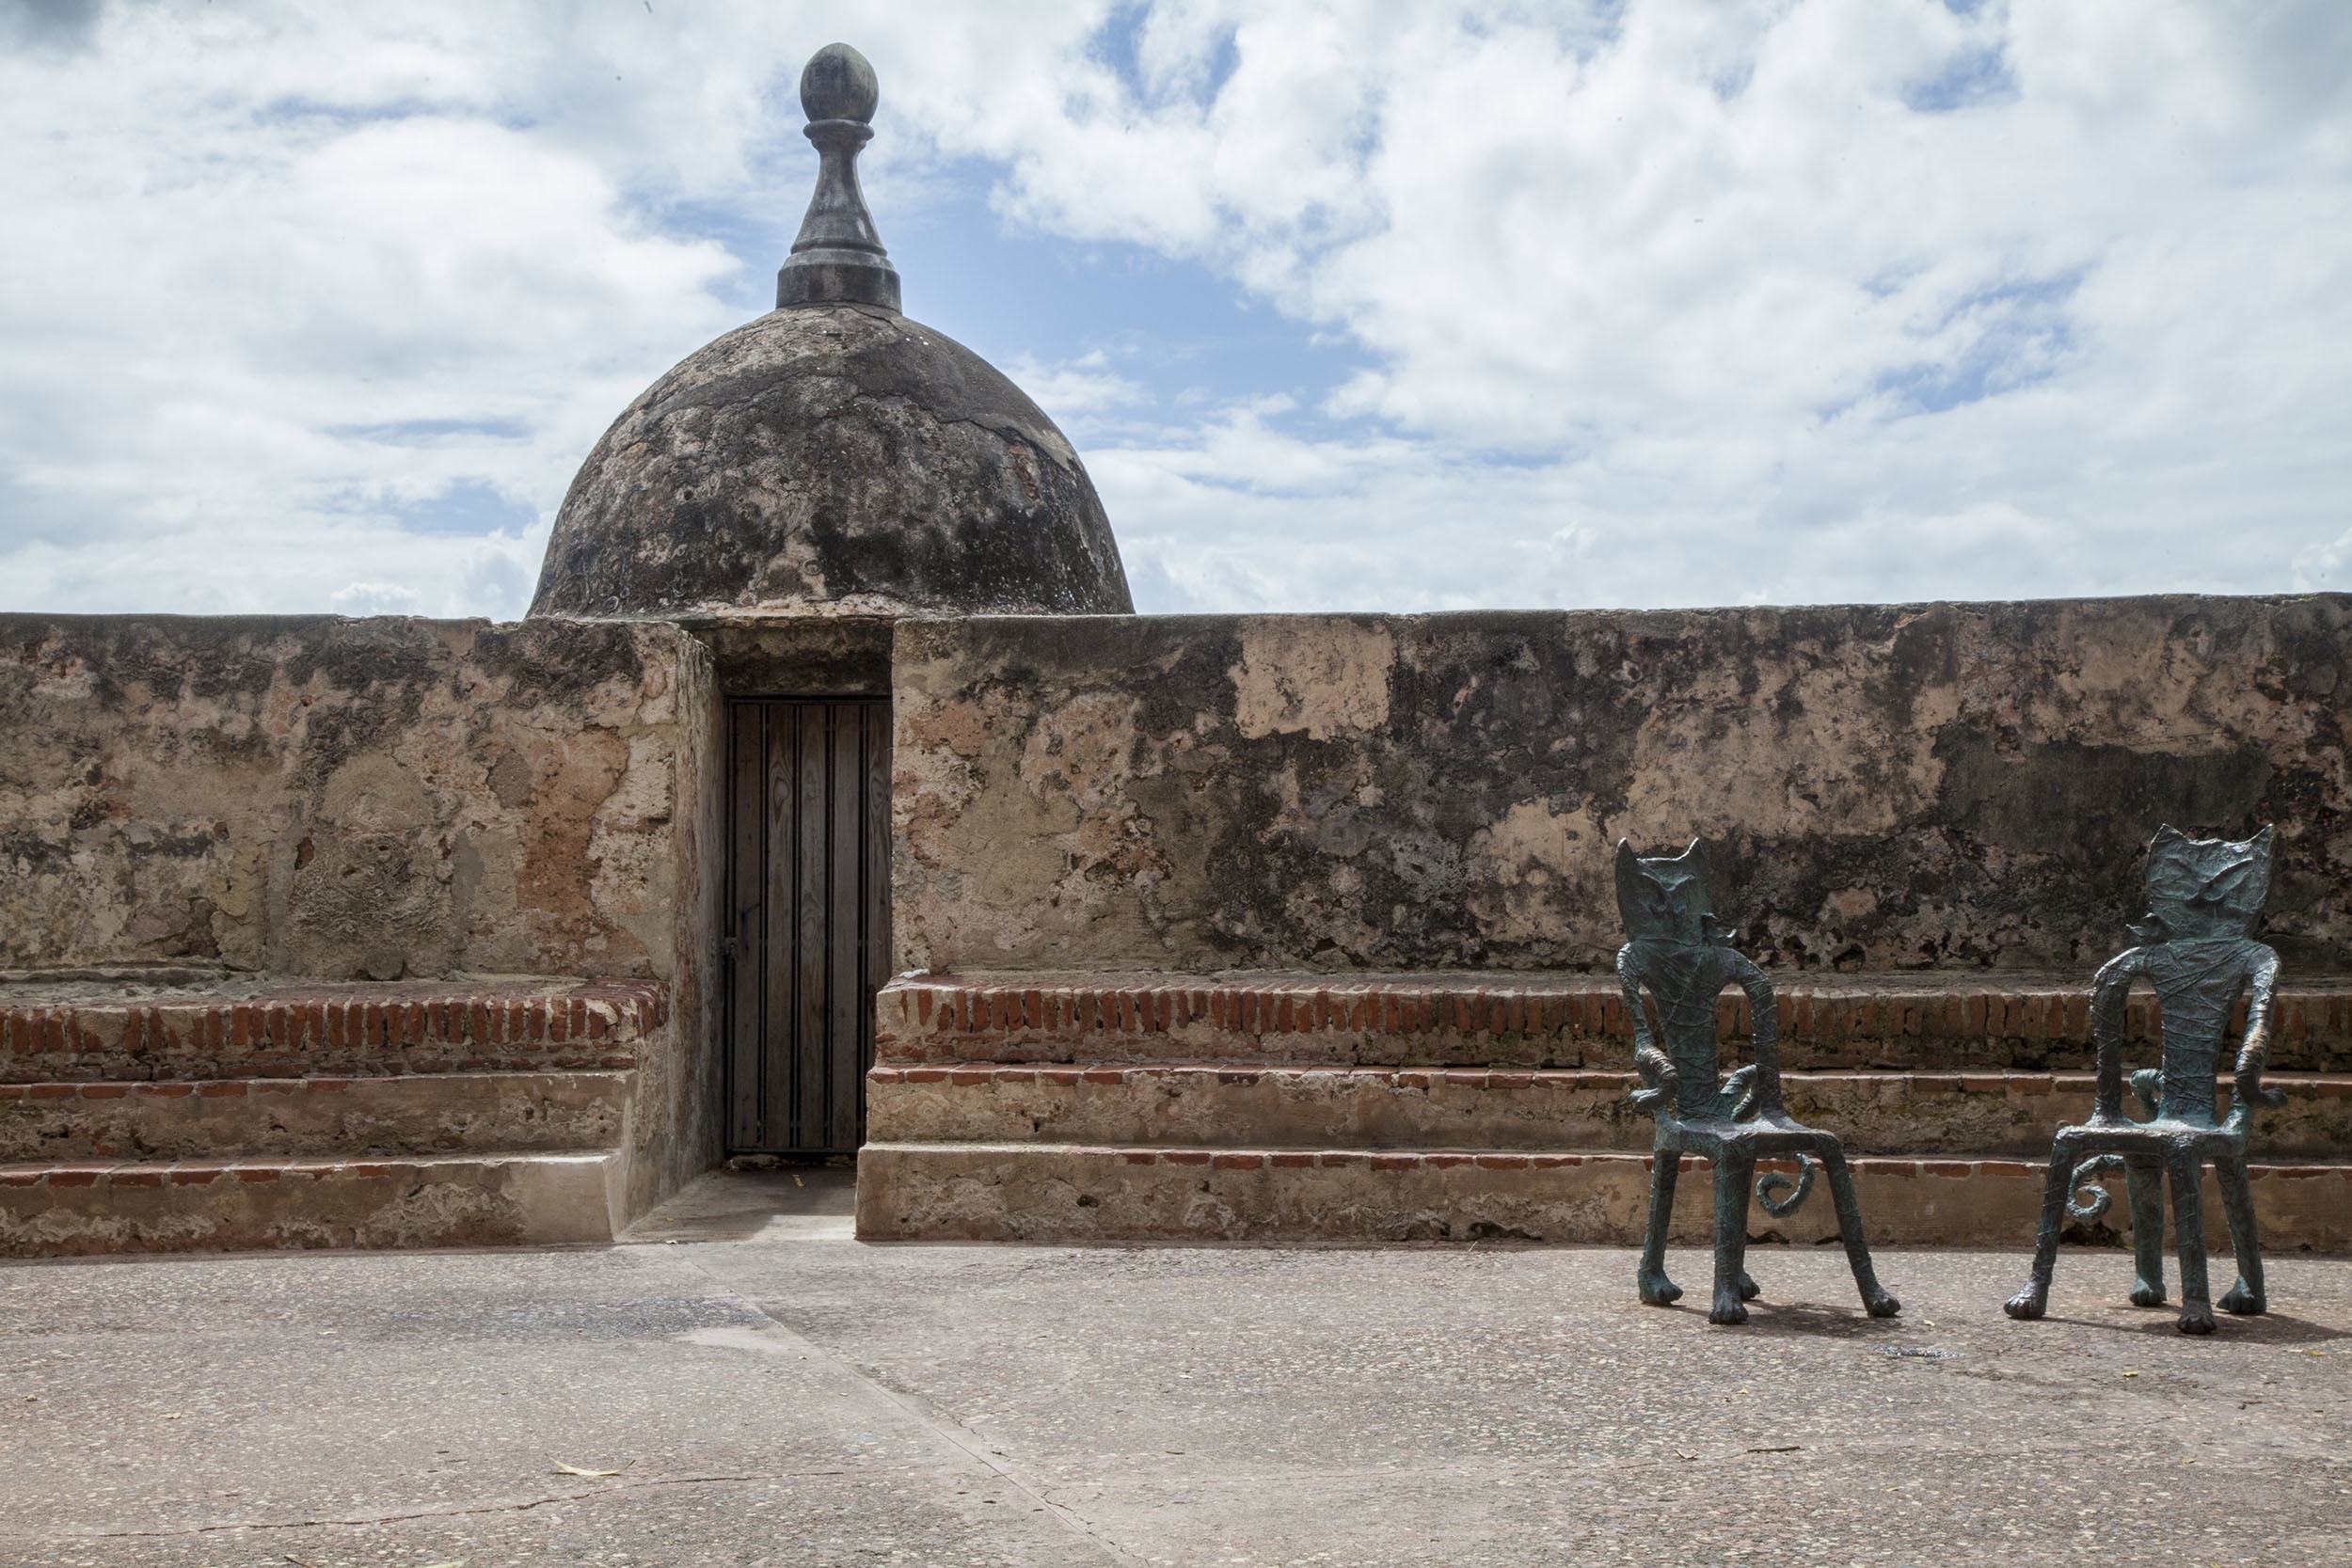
(833, 456)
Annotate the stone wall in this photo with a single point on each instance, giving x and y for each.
(677, 1128)
(816, 655)
(1881, 786)
(335, 798)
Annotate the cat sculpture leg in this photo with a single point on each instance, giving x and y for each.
(2034, 1299)
(1656, 1290)
(2143, 1180)
(1875, 1299)
(2246, 1297)
(1733, 1173)
(2184, 1169)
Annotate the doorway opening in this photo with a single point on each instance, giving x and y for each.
(806, 938)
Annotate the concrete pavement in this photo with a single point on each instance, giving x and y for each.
(745, 1385)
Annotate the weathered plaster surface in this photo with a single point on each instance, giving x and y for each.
(1882, 786)
(1064, 1193)
(799, 655)
(580, 1112)
(242, 1205)
(1316, 1107)
(675, 1128)
(341, 800)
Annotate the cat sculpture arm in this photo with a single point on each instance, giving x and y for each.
(2109, 989)
(1657, 1068)
(1756, 1086)
(2254, 1051)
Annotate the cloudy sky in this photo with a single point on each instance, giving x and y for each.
(1379, 304)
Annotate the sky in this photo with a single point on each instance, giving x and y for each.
(1350, 304)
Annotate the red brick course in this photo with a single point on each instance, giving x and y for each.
(296, 1030)
(934, 1018)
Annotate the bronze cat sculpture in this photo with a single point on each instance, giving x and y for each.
(1680, 952)
(2197, 948)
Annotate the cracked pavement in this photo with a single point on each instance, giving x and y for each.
(745, 1385)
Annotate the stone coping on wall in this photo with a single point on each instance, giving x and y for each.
(87, 1026)
(1466, 1018)
(83, 1207)
(1273, 1106)
(1066, 1194)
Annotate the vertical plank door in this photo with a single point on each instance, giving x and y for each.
(808, 918)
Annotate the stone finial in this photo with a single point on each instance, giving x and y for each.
(838, 258)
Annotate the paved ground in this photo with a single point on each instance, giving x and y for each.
(750, 1387)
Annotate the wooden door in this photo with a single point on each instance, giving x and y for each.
(808, 918)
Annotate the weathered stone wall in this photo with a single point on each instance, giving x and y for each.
(811, 656)
(678, 1126)
(344, 800)
(1882, 787)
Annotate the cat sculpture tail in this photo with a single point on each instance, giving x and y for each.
(2085, 1199)
(1771, 1184)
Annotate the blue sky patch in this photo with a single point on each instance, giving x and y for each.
(1970, 79)
(468, 507)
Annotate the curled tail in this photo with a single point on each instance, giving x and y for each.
(2083, 1199)
(1798, 1188)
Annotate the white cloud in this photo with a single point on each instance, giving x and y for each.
(288, 276)
(1076, 389)
(289, 286)
(1836, 299)
(1669, 303)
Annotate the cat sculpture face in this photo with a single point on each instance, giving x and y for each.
(1665, 898)
(2203, 887)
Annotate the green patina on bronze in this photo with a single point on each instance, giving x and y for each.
(2197, 950)
(1681, 953)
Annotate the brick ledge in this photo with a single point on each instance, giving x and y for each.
(921, 1013)
(287, 1029)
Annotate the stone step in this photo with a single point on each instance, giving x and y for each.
(96, 1032)
(1066, 1193)
(1975, 1021)
(423, 1114)
(68, 1208)
(1477, 1108)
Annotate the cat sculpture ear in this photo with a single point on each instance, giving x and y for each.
(2262, 844)
(1713, 927)
(2149, 928)
(1628, 883)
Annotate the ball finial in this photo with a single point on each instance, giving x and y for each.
(838, 84)
(838, 259)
